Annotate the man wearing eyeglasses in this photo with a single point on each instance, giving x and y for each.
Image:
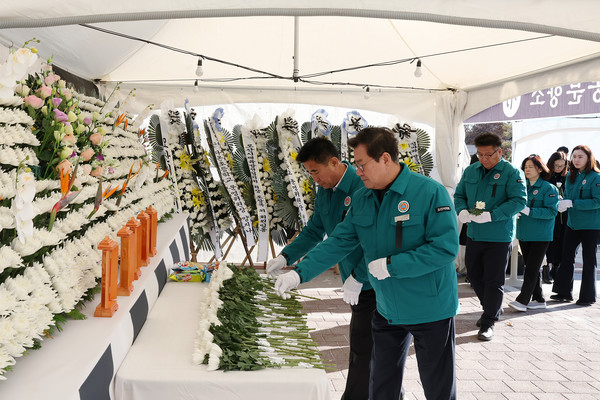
(500, 188)
(405, 225)
(338, 184)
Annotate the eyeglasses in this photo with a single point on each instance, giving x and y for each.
(362, 167)
(479, 155)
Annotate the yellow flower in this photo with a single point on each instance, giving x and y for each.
(414, 167)
(307, 187)
(196, 192)
(266, 165)
(185, 162)
(294, 155)
(206, 159)
(229, 160)
(255, 223)
(404, 146)
(198, 200)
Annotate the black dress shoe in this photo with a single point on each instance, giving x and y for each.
(486, 333)
(562, 298)
(584, 303)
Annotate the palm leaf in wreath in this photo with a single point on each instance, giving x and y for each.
(336, 137)
(230, 140)
(155, 138)
(202, 240)
(424, 142)
(306, 132)
(238, 142)
(284, 205)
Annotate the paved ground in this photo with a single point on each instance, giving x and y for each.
(547, 354)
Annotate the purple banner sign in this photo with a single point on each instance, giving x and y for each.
(559, 101)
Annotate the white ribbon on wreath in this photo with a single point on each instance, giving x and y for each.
(249, 132)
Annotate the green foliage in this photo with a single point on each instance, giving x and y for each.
(305, 132)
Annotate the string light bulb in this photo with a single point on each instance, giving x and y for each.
(199, 70)
(418, 70)
(196, 87)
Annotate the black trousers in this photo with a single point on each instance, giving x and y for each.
(554, 252)
(361, 344)
(435, 350)
(486, 268)
(533, 256)
(563, 281)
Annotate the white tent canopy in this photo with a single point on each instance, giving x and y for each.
(475, 53)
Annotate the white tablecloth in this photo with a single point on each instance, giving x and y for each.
(159, 364)
(79, 363)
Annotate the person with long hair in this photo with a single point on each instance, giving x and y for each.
(535, 225)
(557, 164)
(582, 200)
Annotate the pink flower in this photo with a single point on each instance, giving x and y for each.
(68, 139)
(60, 116)
(96, 172)
(64, 166)
(34, 101)
(96, 138)
(87, 121)
(56, 101)
(51, 78)
(45, 91)
(87, 168)
(87, 154)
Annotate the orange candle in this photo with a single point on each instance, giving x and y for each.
(127, 262)
(108, 304)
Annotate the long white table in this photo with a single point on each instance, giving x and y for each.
(159, 364)
(80, 362)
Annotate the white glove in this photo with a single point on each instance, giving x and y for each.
(464, 216)
(482, 218)
(352, 289)
(285, 282)
(525, 211)
(378, 268)
(564, 204)
(275, 266)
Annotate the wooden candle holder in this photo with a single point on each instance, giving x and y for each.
(128, 268)
(153, 229)
(135, 226)
(110, 266)
(145, 236)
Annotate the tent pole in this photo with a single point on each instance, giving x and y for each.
(296, 45)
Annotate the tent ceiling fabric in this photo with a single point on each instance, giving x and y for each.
(475, 53)
(332, 35)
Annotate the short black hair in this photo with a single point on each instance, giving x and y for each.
(377, 141)
(488, 139)
(564, 149)
(319, 150)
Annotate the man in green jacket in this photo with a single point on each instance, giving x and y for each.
(338, 183)
(490, 194)
(405, 224)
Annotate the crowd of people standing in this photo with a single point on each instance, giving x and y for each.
(395, 236)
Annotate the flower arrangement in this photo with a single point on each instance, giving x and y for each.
(300, 186)
(244, 211)
(245, 326)
(413, 145)
(48, 155)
